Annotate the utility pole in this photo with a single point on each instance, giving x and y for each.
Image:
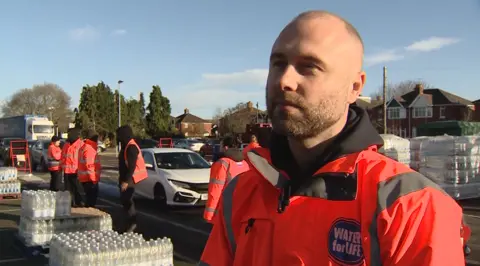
(117, 151)
(384, 100)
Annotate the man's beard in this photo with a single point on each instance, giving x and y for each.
(308, 121)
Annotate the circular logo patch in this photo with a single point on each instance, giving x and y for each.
(345, 242)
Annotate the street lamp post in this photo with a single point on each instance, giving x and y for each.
(119, 113)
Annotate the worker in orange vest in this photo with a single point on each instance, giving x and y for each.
(230, 164)
(252, 145)
(69, 163)
(322, 194)
(89, 168)
(54, 155)
(132, 170)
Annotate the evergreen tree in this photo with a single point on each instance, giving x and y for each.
(158, 113)
(86, 108)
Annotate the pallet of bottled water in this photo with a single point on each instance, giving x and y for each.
(40, 232)
(9, 184)
(109, 248)
(8, 174)
(45, 204)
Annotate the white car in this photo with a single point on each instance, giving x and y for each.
(176, 177)
(189, 144)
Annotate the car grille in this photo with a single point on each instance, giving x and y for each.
(199, 188)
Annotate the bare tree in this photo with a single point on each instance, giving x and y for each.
(401, 88)
(42, 99)
(235, 119)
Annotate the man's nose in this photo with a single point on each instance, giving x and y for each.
(289, 79)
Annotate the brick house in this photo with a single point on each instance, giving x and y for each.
(476, 116)
(237, 121)
(192, 126)
(407, 112)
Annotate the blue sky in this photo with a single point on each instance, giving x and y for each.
(209, 54)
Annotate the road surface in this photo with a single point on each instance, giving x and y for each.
(184, 226)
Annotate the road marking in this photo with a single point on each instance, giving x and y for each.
(10, 210)
(185, 258)
(472, 262)
(471, 215)
(151, 216)
(12, 260)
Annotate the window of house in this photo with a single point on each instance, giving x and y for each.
(442, 112)
(422, 112)
(393, 113)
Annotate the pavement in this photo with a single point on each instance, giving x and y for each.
(184, 226)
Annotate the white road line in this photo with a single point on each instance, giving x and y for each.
(472, 262)
(471, 215)
(12, 260)
(185, 258)
(10, 210)
(188, 228)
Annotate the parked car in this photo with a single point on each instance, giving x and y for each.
(146, 143)
(193, 145)
(176, 177)
(5, 150)
(39, 156)
(208, 150)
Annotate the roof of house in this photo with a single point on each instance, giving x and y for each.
(476, 101)
(434, 96)
(189, 118)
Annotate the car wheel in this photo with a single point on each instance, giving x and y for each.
(160, 196)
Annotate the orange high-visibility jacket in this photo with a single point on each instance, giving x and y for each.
(54, 155)
(357, 207)
(251, 146)
(140, 172)
(89, 167)
(69, 160)
(221, 173)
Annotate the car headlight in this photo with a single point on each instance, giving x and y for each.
(180, 184)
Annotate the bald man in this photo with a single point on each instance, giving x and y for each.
(322, 194)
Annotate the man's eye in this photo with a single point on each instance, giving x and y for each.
(277, 63)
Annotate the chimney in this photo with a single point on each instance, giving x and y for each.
(250, 106)
(419, 88)
(186, 111)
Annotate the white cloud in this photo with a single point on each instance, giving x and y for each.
(383, 57)
(250, 76)
(86, 33)
(119, 32)
(222, 90)
(431, 44)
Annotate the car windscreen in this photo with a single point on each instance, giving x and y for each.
(180, 160)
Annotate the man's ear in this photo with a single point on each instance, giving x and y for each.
(357, 87)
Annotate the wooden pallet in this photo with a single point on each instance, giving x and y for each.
(11, 196)
(31, 251)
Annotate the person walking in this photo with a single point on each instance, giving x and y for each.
(230, 164)
(132, 170)
(252, 145)
(89, 168)
(54, 156)
(322, 194)
(69, 165)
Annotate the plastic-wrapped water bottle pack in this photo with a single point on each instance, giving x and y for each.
(45, 204)
(10, 188)
(8, 174)
(109, 248)
(40, 232)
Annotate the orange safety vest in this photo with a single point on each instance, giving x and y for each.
(396, 216)
(140, 172)
(89, 167)
(70, 156)
(221, 173)
(54, 155)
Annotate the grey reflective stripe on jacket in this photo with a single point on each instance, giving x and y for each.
(388, 192)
